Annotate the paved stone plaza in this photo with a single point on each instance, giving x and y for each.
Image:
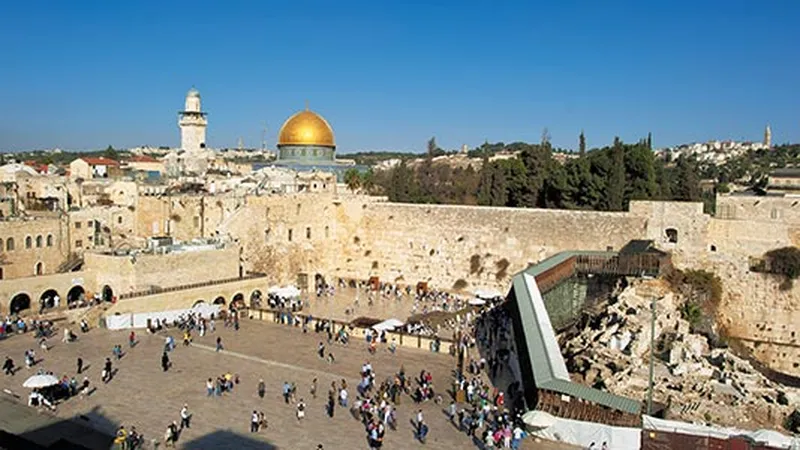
(142, 395)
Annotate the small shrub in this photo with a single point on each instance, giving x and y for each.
(785, 262)
(459, 284)
(474, 264)
(502, 269)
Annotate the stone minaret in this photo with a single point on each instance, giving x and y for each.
(192, 121)
(768, 137)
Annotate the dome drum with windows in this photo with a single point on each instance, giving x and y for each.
(306, 137)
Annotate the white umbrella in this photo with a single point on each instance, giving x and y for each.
(477, 302)
(538, 419)
(40, 381)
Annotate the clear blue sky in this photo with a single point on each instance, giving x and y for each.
(389, 75)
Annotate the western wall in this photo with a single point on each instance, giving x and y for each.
(481, 247)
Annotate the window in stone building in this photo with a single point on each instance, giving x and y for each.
(79, 244)
(196, 221)
(672, 235)
(713, 248)
(774, 213)
(49, 240)
(266, 235)
(39, 268)
(308, 233)
(39, 241)
(119, 219)
(1, 273)
(298, 209)
(77, 225)
(10, 244)
(327, 232)
(28, 242)
(89, 224)
(290, 235)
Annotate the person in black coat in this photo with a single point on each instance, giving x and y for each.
(165, 361)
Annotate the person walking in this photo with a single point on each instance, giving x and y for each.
(262, 388)
(314, 388)
(185, 417)
(219, 343)
(107, 371)
(301, 410)
(8, 366)
(80, 365)
(254, 422)
(132, 339)
(165, 361)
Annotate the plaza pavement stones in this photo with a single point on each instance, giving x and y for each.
(142, 395)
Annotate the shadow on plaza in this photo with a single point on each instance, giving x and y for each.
(226, 439)
(79, 433)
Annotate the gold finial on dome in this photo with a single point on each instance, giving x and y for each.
(306, 128)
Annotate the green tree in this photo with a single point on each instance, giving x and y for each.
(616, 180)
(582, 144)
(687, 182)
(352, 178)
(110, 153)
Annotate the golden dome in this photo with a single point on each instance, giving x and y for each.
(306, 128)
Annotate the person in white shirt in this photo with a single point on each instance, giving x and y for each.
(185, 417)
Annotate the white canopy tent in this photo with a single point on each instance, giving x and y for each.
(284, 292)
(487, 294)
(388, 325)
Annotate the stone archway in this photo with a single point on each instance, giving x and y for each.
(238, 301)
(48, 299)
(20, 302)
(256, 297)
(107, 294)
(76, 296)
(219, 300)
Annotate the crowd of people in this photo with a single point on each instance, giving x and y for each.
(484, 413)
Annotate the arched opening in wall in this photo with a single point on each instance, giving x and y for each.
(198, 303)
(49, 299)
(76, 296)
(219, 301)
(28, 242)
(39, 241)
(38, 269)
(10, 244)
(672, 235)
(238, 301)
(255, 299)
(20, 302)
(107, 294)
(49, 240)
(713, 248)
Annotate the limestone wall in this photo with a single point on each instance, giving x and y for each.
(129, 274)
(482, 246)
(183, 216)
(759, 209)
(764, 317)
(27, 243)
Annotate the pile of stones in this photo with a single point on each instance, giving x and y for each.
(609, 349)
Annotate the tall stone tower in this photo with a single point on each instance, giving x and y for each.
(768, 137)
(192, 121)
